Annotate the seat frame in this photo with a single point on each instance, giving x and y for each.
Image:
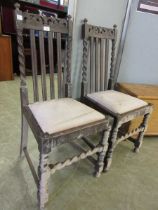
(46, 142)
(91, 33)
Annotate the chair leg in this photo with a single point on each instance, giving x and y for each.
(43, 174)
(109, 154)
(101, 156)
(24, 134)
(139, 141)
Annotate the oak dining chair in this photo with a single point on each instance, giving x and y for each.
(54, 119)
(99, 44)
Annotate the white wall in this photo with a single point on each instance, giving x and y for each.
(140, 57)
(100, 12)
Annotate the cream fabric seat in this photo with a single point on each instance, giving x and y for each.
(116, 102)
(62, 114)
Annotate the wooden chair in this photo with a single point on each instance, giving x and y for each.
(54, 121)
(97, 88)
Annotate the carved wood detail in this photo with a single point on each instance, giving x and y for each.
(100, 32)
(94, 35)
(58, 29)
(70, 161)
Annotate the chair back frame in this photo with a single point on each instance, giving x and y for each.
(53, 27)
(96, 44)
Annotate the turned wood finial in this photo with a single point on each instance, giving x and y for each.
(85, 20)
(69, 17)
(17, 6)
(115, 26)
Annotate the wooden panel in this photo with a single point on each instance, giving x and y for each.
(6, 68)
(148, 93)
(140, 90)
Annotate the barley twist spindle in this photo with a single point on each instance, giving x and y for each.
(21, 57)
(112, 60)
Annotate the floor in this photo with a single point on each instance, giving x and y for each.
(131, 184)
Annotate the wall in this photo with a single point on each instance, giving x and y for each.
(104, 13)
(140, 57)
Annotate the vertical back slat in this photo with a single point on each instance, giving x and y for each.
(102, 73)
(43, 65)
(65, 65)
(106, 64)
(91, 64)
(34, 65)
(51, 64)
(97, 66)
(59, 65)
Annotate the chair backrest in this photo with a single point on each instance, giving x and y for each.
(44, 32)
(98, 46)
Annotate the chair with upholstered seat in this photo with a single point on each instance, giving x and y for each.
(98, 84)
(53, 120)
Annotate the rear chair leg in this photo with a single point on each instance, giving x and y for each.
(101, 156)
(109, 154)
(139, 141)
(24, 134)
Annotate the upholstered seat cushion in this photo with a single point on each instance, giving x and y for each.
(62, 114)
(116, 102)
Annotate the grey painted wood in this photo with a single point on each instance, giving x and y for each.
(68, 86)
(81, 149)
(59, 67)
(101, 156)
(51, 64)
(43, 174)
(144, 125)
(107, 76)
(106, 64)
(64, 68)
(112, 67)
(34, 174)
(104, 35)
(24, 134)
(34, 65)
(92, 73)
(46, 142)
(97, 65)
(43, 65)
(112, 142)
(88, 142)
(102, 72)
(84, 85)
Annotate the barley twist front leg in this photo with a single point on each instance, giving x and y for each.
(109, 154)
(44, 174)
(101, 156)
